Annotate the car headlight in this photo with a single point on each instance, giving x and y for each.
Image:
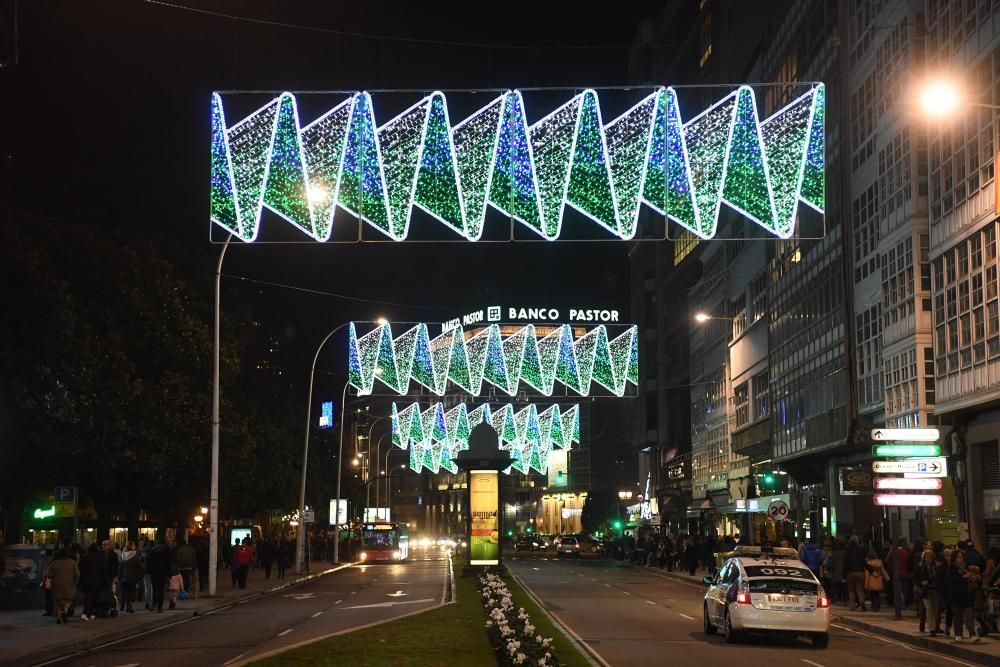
(396, 554)
(363, 555)
(464, 544)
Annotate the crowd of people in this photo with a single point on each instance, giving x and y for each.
(110, 579)
(949, 584)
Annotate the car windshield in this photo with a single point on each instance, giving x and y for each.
(782, 586)
(569, 540)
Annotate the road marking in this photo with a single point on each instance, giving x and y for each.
(131, 664)
(316, 614)
(234, 659)
(690, 618)
(354, 592)
(626, 593)
(284, 632)
(397, 594)
(300, 596)
(900, 644)
(537, 568)
(338, 602)
(608, 585)
(810, 662)
(389, 604)
(650, 602)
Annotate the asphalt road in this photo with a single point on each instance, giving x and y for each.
(630, 617)
(343, 600)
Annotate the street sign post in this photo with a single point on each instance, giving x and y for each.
(908, 500)
(933, 467)
(907, 450)
(905, 484)
(309, 516)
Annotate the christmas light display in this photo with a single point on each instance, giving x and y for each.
(435, 436)
(503, 362)
(682, 169)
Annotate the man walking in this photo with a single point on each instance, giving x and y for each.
(185, 558)
(158, 565)
(242, 557)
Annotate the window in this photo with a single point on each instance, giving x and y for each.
(760, 391)
(741, 403)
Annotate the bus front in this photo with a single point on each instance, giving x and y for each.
(382, 542)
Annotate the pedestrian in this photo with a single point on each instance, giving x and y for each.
(961, 585)
(175, 586)
(854, 569)
(690, 555)
(837, 572)
(158, 566)
(234, 568)
(243, 558)
(972, 555)
(128, 573)
(184, 559)
(92, 576)
(926, 580)
(812, 556)
(266, 554)
(201, 556)
(47, 587)
(281, 557)
(875, 577)
(65, 576)
(898, 560)
(111, 560)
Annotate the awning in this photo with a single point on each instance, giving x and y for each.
(699, 506)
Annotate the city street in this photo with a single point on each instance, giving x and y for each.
(341, 601)
(631, 617)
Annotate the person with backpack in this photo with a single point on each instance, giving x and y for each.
(875, 577)
(242, 558)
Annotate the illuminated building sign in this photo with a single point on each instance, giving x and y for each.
(504, 362)
(326, 416)
(45, 513)
(681, 163)
(532, 314)
(434, 436)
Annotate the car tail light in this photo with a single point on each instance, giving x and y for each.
(822, 601)
(743, 595)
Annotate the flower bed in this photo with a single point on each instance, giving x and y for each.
(510, 629)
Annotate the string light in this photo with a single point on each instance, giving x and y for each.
(488, 356)
(682, 169)
(434, 436)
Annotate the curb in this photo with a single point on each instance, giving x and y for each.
(65, 649)
(935, 646)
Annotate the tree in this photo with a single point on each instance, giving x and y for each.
(600, 508)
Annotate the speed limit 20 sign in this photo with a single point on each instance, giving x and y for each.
(778, 510)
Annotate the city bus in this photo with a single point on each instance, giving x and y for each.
(382, 541)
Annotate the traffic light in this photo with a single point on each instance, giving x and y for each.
(528, 530)
(617, 524)
(510, 533)
(767, 480)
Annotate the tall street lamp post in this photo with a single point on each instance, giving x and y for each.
(300, 539)
(213, 503)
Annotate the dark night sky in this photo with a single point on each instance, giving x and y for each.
(107, 122)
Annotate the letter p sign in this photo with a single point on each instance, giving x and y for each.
(65, 494)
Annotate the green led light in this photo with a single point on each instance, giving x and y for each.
(907, 450)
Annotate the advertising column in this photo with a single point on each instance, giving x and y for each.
(484, 492)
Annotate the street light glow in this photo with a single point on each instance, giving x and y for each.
(940, 98)
(381, 321)
(702, 317)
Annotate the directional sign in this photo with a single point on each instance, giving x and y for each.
(906, 434)
(309, 516)
(936, 467)
(389, 604)
(908, 500)
(908, 450)
(903, 484)
(777, 510)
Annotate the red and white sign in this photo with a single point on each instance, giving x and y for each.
(903, 484)
(908, 500)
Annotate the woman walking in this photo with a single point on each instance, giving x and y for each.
(65, 575)
(961, 586)
(926, 579)
(874, 580)
(128, 575)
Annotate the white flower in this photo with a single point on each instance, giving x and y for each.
(519, 658)
(547, 642)
(548, 656)
(489, 624)
(528, 628)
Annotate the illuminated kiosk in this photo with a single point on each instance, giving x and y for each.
(482, 462)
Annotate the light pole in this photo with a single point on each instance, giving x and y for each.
(389, 482)
(300, 539)
(213, 502)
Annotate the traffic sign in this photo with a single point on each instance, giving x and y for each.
(309, 516)
(907, 450)
(777, 510)
(908, 500)
(64, 494)
(907, 434)
(936, 467)
(904, 484)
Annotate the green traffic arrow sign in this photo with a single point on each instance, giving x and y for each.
(907, 450)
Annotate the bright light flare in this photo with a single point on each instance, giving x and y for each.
(940, 98)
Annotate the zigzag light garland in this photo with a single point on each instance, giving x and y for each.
(682, 169)
(502, 362)
(435, 437)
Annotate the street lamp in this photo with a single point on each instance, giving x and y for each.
(701, 317)
(300, 539)
(942, 97)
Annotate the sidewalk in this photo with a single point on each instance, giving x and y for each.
(28, 638)
(881, 623)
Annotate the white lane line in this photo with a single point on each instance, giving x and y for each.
(650, 602)
(607, 585)
(338, 602)
(626, 593)
(354, 592)
(227, 662)
(690, 618)
(316, 614)
(537, 568)
(901, 645)
(284, 632)
(810, 662)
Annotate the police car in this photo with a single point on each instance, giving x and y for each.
(770, 591)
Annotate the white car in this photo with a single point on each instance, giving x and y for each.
(767, 592)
